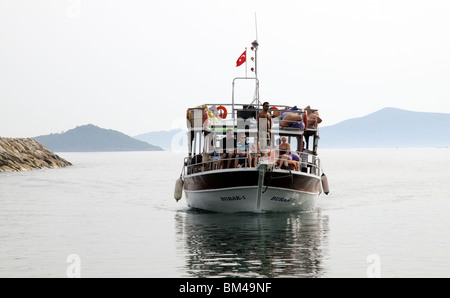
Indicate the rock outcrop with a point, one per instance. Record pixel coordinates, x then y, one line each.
22 154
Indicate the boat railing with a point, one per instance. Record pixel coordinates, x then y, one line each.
307 162
244 116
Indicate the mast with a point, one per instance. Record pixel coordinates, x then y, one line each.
256 95
255 47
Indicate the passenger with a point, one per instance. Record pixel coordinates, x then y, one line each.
265 133
284 157
227 147
285 145
242 151
253 156
312 118
292 119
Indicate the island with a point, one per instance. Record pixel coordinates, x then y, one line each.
91 138
23 154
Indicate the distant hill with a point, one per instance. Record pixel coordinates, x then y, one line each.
172 140
91 138
389 128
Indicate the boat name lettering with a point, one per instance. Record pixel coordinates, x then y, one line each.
279 199
234 198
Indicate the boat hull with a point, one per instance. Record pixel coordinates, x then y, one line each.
238 191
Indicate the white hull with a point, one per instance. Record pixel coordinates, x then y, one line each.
245 199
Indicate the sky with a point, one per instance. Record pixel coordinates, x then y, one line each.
135 66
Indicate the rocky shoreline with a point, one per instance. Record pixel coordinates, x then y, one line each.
23 154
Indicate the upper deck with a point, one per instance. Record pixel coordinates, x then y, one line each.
244 118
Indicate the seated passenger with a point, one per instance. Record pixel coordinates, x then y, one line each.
253 156
242 151
227 149
285 145
284 157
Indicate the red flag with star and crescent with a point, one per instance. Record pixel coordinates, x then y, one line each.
241 59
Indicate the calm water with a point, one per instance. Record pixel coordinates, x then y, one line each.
387 214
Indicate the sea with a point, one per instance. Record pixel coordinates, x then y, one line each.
114 215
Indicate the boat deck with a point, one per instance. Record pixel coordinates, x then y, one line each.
307 162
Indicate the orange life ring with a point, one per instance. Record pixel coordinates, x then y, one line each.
222 112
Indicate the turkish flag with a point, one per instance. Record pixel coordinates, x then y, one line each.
241 59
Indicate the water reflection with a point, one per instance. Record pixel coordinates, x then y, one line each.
252 245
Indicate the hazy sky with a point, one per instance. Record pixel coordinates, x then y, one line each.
136 65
